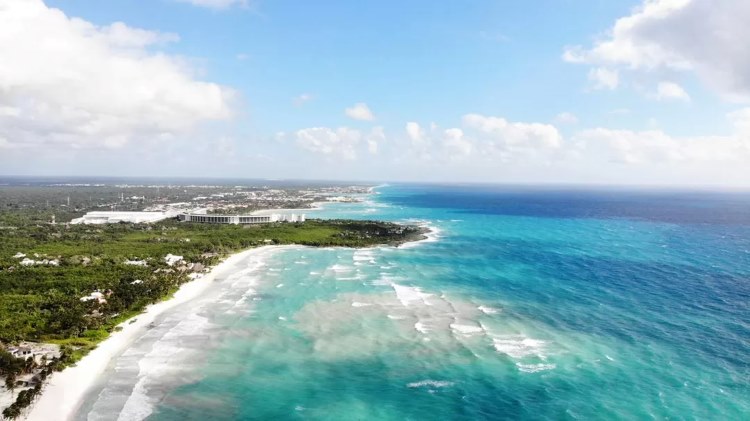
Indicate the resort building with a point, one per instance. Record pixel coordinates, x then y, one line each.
241 219
106 217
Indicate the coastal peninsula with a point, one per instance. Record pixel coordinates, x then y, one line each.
66 288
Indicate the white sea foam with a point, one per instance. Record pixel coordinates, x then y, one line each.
430 383
488 310
410 296
159 363
533 368
430 237
466 329
421 328
340 268
518 346
358 304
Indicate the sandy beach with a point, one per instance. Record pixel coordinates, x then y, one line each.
63 394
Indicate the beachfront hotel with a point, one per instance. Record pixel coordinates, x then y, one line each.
240 219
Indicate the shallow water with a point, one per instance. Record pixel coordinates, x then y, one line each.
530 305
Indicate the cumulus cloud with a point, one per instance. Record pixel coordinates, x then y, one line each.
215 4
67 83
701 36
602 78
375 139
414 131
492 148
670 91
481 139
360 111
658 147
456 144
508 135
335 143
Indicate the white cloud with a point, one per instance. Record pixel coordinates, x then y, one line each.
302 99
658 147
414 131
667 91
492 148
335 143
71 84
566 118
215 4
510 135
481 139
700 36
375 139
456 144
360 111
603 78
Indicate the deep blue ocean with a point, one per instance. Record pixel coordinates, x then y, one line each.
528 304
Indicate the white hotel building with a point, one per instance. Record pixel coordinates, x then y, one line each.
240 219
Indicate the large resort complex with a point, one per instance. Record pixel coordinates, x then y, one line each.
241 219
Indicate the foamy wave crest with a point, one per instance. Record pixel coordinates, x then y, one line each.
421 328
518 346
466 329
340 268
430 383
158 364
410 296
362 256
430 237
488 310
533 368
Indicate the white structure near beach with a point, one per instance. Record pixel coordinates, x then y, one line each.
242 219
106 217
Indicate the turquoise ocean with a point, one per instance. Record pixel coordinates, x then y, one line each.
524 304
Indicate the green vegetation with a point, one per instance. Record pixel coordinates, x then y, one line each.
42 301
46 270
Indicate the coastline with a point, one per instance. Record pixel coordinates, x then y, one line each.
314 207
431 235
63 395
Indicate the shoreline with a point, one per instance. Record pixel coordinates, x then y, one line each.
65 390
316 206
432 235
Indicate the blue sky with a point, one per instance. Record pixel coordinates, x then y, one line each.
289 68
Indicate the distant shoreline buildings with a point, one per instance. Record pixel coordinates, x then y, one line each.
103 217
114 217
240 219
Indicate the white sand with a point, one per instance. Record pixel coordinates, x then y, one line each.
65 391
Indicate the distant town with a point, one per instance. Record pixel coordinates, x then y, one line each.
92 203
